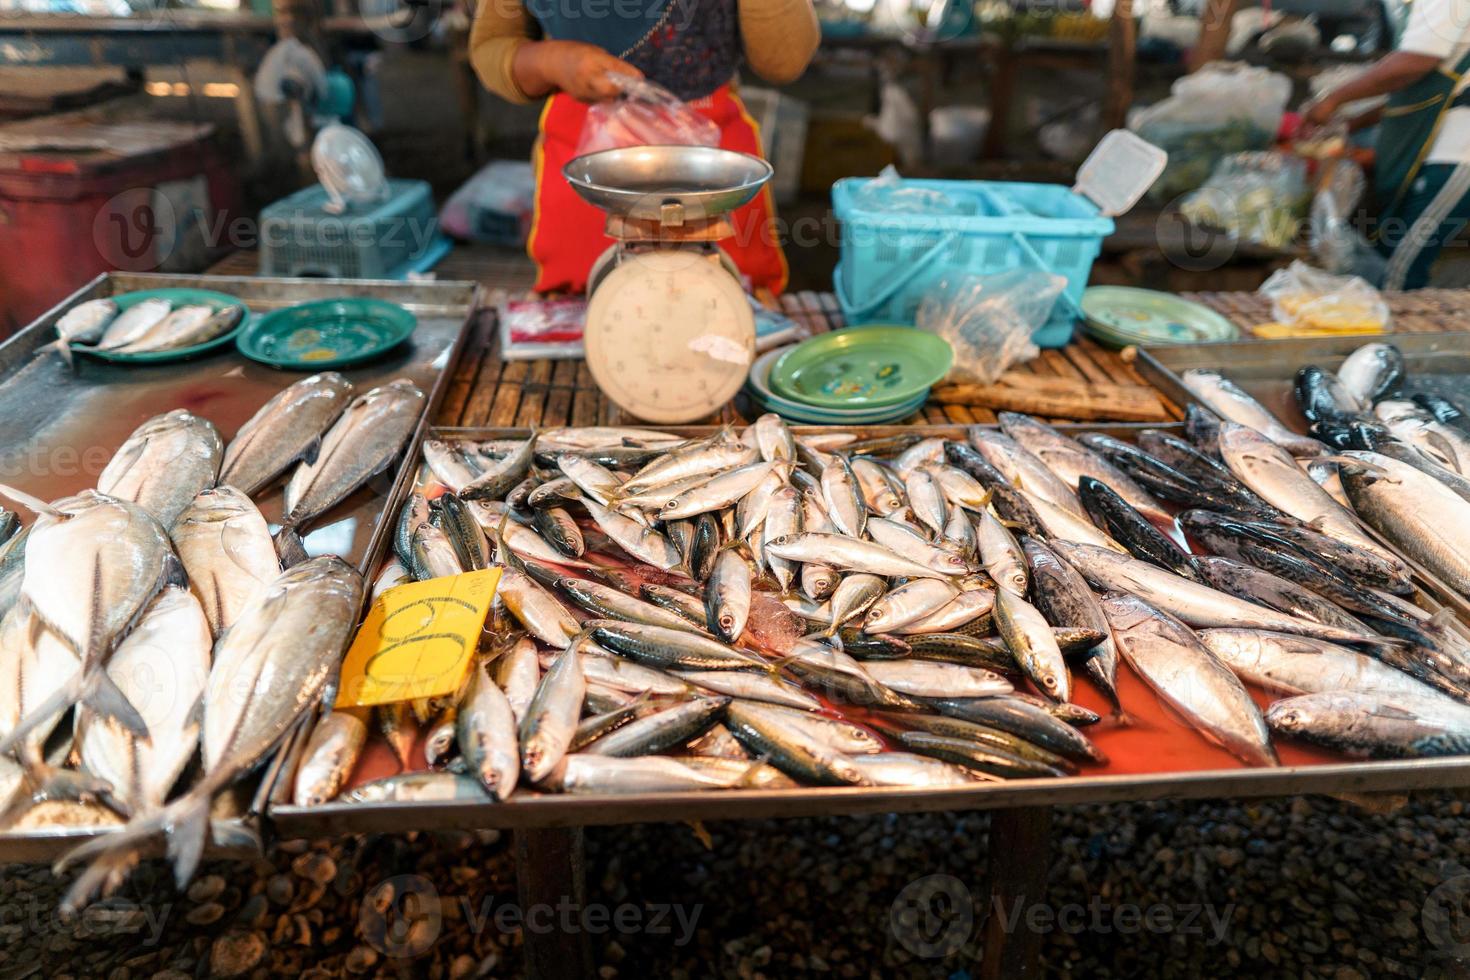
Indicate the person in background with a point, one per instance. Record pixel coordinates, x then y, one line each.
1422 168
526 49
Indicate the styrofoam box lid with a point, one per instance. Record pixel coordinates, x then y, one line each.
1118 171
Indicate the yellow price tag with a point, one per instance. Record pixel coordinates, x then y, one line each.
418 640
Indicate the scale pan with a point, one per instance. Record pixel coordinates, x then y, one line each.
667 184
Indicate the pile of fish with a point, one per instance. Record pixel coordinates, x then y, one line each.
153 650
149 326
757 608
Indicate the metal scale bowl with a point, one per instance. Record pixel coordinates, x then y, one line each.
670 334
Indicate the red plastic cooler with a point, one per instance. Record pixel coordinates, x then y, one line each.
78 198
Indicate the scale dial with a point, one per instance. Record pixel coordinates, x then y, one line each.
669 335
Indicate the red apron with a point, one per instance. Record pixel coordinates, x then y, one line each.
567 232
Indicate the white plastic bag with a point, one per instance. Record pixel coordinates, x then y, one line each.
1310 299
1221 109
988 320
644 114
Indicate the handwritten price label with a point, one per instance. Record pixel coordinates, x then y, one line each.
418 640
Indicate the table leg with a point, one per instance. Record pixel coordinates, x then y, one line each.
550 872
1020 854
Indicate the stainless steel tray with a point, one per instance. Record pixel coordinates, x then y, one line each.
554 810
58 428
1433 362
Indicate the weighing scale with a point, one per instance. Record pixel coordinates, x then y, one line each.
670 333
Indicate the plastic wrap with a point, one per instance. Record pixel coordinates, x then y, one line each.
1252 197
493 206
644 114
988 320
1337 245
1312 301
1221 109
888 193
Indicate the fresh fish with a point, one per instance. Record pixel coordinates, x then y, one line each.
133 323
661 730
160 667
972 463
598 775
691 608
1134 531
1271 472
1029 638
536 609
712 459
1322 397
362 443
727 595
283 650
84 323
783 519
909 603
485 728
905 769
968 610
1023 470
660 647
1000 554
418 787
907 541
604 602
550 720
1375 725
1189 678
1026 720
1365 567
37 664
837 734
927 500
753 687
932 679
553 492
818 581
975 756
1443 409
1230 402
1442 443
851 554
1260 586
518 672
1063 598
395 722
704 545
448 464
1280 662
853 597
593 479
432 555
1195 604
164 464
1071 461
1371 372
918 453
879 497
767 732
330 755
1417 513
287 428
773 438
187 326
1062 525
464 533
643 543
605 669
506 473
226 550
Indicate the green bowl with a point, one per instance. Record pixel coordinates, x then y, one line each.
330 333
862 367
177 296
1123 315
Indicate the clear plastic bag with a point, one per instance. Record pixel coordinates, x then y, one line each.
1221 109
988 320
1252 197
888 193
1337 245
1313 301
493 206
644 114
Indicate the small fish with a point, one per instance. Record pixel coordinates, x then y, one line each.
133 323
486 730
1029 637
727 595
854 595
330 755
1228 400
225 547
1371 372
287 428
766 732
418 787
909 603
1131 529
662 729
504 475
938 680
84 323
550 720
1374 725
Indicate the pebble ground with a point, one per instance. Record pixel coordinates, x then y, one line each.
1307 887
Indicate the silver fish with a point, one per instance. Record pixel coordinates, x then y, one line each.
225 547
598 774
773 438
662 729
852 597
1029 638
432 555
330 755
160 667
1365 723
712 459
133 323
909 603
1063 525
486 731
855 555
1371 370
727 595
448 464
643 543
164 463
926 499
754 687
541 613
418 787
927 678
908 541
287 428
593 479
84 323
1303 665
1424 518
187 326
1229 401
783 519
966 608
37 663
550 720
1071 461
506 473
766 730
719 492
1187 676
878 494
1000 554
905 769
362 443
518 672
844 498
1023 470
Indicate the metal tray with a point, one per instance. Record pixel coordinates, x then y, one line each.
58 428
555 810
1433 362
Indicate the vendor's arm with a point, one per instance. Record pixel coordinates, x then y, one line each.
1429 37
779 36
519 69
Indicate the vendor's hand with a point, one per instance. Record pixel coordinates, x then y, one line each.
581 70
1318 114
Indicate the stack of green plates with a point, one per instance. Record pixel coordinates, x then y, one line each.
857 376
1121 316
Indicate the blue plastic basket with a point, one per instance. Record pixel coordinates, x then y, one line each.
890 261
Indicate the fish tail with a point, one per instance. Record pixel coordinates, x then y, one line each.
101 693
29 502
63 698
290 549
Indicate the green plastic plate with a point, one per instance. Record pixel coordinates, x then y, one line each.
861 367
329 333
1123 315
177 296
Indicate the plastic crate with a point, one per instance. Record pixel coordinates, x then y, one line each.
386 240
890 260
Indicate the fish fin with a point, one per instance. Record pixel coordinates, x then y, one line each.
173 573
1442 619
64 697
103 696
63 347
311 452
31 503
100 878
289 547
186 835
